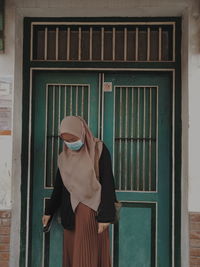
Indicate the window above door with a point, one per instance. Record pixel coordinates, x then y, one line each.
103 41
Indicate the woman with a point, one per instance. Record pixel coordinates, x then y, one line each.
86 198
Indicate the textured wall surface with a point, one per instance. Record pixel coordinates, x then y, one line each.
5 172
11 64
5 221
194 223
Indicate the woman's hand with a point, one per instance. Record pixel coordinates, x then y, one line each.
102 227
45 219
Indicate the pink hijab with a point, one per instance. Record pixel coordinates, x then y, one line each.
77 168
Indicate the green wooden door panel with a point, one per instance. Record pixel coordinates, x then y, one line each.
143 235
138 237
139 91
50 90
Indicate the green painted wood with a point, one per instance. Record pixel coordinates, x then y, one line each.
24 148
54 245
103 19
138 207
162 198
25 122
98 65
138 237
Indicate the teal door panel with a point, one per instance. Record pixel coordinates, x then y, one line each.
137 129
135 122
54 95
138 237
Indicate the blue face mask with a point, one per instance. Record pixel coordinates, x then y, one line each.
74 145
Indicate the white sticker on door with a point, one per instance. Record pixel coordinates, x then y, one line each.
107 86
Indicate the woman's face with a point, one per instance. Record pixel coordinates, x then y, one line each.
69 137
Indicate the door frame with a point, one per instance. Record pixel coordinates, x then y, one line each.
28 70
175 234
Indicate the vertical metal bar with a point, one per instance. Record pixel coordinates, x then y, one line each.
70 99
150 126
45 43
46 125
59 107
52 133
99 108
79 43
90 43
31 46
157 97
114 131
113 44
174 42
125 44
126 135
160 44
144 142
76 100
102 107
132 120
57 33
65 101
148 43
138 135
82 101
136 44
88 101
120 144
68 42
102 43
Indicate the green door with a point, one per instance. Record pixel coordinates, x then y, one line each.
137 129
54 95
132 113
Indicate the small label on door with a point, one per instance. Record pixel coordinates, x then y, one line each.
107 86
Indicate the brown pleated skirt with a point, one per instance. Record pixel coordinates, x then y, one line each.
83 246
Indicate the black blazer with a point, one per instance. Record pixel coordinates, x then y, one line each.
60 197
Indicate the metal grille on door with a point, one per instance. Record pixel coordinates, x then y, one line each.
61 100
135 141
149 42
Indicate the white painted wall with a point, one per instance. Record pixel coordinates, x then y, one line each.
11 64
7 71
5 173
194 109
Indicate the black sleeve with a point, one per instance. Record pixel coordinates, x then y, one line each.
54 202
106 211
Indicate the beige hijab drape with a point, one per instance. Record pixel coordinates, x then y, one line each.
77 168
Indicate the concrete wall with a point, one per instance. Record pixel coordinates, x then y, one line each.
6 155
6 73
5 174
11 65
194 96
